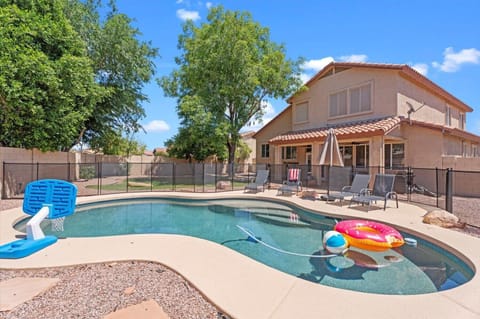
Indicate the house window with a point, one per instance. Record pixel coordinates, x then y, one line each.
394 155
464 149
461 121
289 152
361 155
347 153
265 150
474 151
360 99
448 116
301 112
338 104
351 101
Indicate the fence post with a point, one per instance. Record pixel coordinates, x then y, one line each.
203 177
194 177
99 177
215 176
437 188
448 191
127 176
151 177
233 172
38 168
3 182
173 177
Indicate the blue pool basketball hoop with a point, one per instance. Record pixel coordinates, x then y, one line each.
48 198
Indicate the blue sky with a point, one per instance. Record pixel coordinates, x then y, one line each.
439 38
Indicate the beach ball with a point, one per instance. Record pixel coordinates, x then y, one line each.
334 242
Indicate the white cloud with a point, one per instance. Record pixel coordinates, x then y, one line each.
317 65
184 15
453 60
354 58
421 68
156 126
209 5
305 77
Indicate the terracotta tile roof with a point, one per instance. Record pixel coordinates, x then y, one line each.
446 130
365 128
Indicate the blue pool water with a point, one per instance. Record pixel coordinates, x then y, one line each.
425 268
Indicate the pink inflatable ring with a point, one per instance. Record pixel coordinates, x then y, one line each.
369 235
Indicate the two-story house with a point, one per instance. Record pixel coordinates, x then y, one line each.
384 115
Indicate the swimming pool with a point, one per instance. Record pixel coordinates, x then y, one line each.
425 268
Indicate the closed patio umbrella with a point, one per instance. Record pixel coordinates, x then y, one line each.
331 155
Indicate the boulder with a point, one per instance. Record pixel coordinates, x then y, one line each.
442 218
309 195
223 184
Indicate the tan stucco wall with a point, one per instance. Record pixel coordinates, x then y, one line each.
432 112
425 147
281 124
317 96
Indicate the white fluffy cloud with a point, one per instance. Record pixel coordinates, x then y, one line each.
354 58
453 60
184 15
313 66
317 65
421 68
157 126
208 5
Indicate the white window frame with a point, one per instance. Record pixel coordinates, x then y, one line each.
448 116
461 121
348 93
265 150
391 155
292 153
464 149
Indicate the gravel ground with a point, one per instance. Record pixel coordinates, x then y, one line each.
94 290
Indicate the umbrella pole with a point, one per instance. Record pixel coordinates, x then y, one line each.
328 182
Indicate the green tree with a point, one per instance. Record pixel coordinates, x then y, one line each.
66 76
47 85
243 151
122 65
198 136
231 65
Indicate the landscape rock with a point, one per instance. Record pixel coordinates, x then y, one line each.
223 184
442 218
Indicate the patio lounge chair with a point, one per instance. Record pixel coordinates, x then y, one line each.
260 180
359 184
382 191
293 183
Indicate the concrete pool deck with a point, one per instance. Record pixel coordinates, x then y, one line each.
245 288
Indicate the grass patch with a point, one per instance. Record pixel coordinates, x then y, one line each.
145 184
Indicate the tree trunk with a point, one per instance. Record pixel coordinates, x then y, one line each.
231 145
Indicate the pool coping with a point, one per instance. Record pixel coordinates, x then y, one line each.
245 288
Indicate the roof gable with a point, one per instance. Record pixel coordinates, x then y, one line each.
404 70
